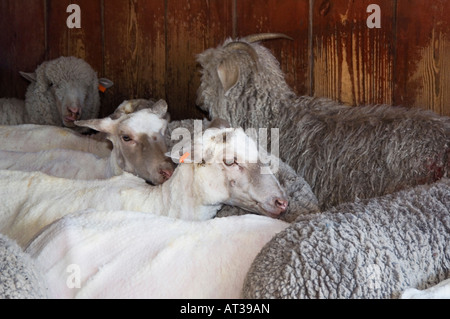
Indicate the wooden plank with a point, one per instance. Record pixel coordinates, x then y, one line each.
290 17
192 27
423 55
84 43
353 63
134 50
22 43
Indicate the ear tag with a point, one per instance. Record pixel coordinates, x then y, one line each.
101 88
182 158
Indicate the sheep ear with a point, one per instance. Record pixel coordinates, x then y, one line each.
160 108
105 125
106 83
228 75
219 123
29 76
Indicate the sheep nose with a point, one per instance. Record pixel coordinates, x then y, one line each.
166 174
282 204
74 110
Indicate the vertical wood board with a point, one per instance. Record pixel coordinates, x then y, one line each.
22 43
192 27
290 17
423 55
353 63
134 40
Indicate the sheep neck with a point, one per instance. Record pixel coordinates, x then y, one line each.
112 166
180 198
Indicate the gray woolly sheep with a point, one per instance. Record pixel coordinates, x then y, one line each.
61 91
374 248
343 152
20 278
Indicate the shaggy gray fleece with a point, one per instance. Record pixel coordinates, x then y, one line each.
374 248
19 277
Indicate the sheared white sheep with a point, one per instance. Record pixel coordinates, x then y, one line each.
440 291
35 138
120 254
138 148
196 191
343 152
61 91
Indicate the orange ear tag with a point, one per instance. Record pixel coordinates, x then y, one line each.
101 88
182 158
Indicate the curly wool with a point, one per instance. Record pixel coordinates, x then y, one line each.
372 150
40 105
19 276
374 248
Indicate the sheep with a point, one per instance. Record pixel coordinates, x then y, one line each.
343 152
300 196
373 248
196 191
20 277
137 149
35 138
440 291
122 254
61 91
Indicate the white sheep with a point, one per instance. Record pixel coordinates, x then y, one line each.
61 91
196 191
35 138
440 291
138 148
121 254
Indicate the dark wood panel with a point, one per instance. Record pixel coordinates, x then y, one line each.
134 50
423 55
84 43
353 63
192 27
290 17
22 43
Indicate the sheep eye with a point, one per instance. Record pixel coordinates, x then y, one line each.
126 138
50 85
232 162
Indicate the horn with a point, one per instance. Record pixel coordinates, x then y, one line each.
238 45
266 36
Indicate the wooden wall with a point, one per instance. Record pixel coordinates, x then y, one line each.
148 47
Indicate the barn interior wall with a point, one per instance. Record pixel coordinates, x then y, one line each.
148 48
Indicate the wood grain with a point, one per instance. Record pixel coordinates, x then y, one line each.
423 55
134 50
290 17
353 63
84 43
22 43
192 27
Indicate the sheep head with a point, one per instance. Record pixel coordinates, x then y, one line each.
228 170
70 85
138 139
236 75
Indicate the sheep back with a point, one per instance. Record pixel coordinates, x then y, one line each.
368 249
